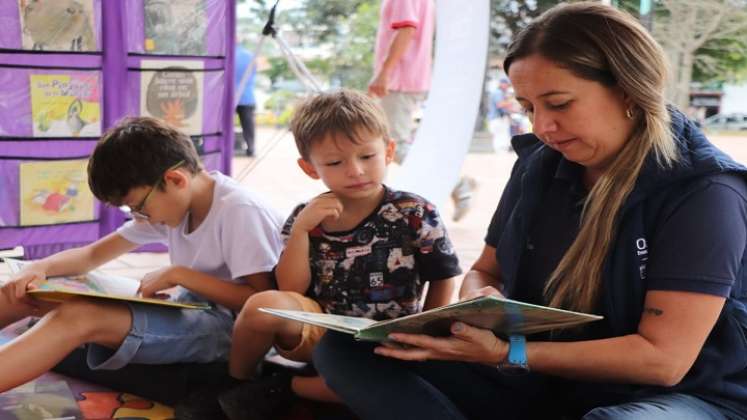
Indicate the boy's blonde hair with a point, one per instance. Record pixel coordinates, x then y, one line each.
345 112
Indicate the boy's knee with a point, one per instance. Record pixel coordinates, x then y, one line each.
83 317
251 314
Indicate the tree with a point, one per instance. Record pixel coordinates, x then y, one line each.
703 38
343 33
508 17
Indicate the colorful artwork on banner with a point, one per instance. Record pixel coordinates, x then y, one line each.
65 105
173 93
54 192
39 400
59 25
175 28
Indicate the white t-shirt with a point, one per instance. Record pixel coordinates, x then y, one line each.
239 236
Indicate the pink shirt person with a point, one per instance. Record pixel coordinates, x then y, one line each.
412 73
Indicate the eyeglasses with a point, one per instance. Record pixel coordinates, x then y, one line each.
137 210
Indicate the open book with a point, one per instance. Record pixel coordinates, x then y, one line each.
94 284
503 316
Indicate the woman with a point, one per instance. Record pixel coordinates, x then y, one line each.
617 205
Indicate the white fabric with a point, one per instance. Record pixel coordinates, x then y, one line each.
239 236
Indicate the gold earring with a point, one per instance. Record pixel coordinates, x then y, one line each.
629 113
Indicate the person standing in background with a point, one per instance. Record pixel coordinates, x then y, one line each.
402 65
403 59
246 103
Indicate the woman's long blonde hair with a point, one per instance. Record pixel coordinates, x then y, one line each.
602 44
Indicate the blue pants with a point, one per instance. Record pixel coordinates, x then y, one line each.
376 387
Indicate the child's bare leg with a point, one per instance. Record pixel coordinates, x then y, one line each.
255 332
313 388
57 334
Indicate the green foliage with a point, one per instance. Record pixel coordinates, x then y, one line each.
330 16
508 17
344 32
278 69
730 55
352 61
719 60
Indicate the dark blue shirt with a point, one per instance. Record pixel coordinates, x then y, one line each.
681 228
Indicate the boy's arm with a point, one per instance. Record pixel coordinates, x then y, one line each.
293 272
439 293
398 47
69 262
214 289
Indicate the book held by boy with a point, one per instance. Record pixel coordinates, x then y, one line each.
94 284
502 316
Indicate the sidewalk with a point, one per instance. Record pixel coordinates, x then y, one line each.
277 177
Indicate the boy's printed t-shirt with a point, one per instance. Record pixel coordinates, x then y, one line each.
239 236
378 269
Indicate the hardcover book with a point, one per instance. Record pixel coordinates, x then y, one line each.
503 316
94 284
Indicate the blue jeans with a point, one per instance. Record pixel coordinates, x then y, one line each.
376 387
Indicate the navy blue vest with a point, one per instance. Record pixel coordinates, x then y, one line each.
720 371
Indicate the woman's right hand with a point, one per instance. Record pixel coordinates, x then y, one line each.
15 290
323 206
483 291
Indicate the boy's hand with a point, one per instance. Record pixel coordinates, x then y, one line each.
324 206
158 280
14 291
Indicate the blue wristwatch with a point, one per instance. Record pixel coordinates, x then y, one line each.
516 362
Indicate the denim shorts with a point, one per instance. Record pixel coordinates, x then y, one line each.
162 335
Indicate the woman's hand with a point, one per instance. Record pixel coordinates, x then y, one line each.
483 291
466 344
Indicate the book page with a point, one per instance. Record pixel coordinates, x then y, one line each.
502 316
172 93
66 104
60 25
54 192
346 324
96 285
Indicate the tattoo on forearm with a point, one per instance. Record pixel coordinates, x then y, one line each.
653 311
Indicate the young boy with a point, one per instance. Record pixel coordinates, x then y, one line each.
360 249
223 242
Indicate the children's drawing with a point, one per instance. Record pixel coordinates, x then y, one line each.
54 192
172 93
175 28
58 25
65 105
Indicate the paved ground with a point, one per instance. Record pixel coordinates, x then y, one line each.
275 175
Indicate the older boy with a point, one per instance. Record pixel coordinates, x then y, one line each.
360 249
223 242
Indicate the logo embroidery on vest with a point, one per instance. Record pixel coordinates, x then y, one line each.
642 252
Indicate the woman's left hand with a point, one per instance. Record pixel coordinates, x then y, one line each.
466 344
